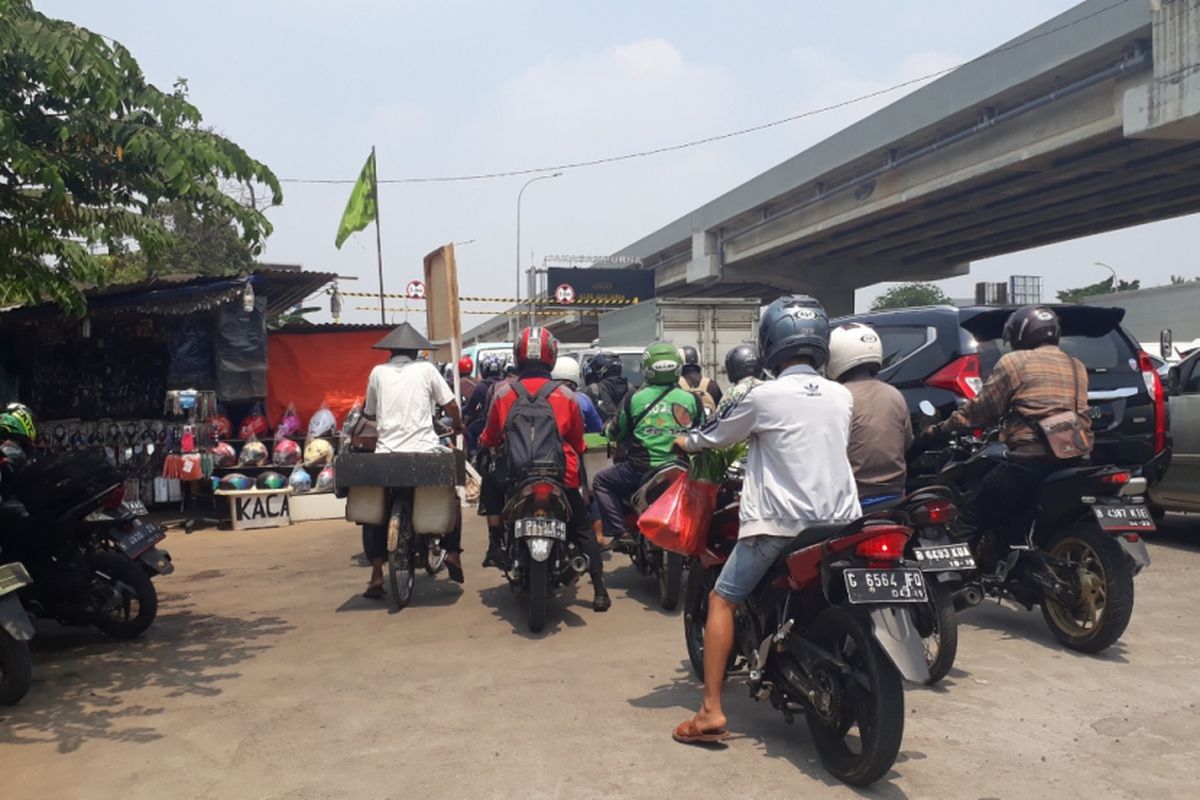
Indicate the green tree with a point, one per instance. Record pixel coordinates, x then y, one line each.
907 295
92 154
1103 287
1178 279
200 247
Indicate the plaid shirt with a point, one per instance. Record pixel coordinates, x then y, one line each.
1027 383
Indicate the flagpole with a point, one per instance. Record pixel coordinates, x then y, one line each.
378 239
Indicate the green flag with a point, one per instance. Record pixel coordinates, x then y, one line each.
360 208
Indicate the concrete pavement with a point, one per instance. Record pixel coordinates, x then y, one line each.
267 676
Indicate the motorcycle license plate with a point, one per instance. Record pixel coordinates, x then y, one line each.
1123 518
545 528
885 586
944 557
140 539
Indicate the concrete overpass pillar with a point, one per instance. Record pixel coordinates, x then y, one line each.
1168 107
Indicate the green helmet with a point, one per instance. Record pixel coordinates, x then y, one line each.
661 364
17 420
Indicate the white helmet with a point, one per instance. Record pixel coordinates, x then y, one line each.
852 345
566 369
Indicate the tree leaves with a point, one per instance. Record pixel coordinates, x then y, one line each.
91 152
907 295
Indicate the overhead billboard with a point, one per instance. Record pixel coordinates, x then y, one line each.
599 286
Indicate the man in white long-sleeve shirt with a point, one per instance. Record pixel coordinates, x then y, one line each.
797 474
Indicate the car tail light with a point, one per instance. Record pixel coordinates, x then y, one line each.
1155 389
1116 478
886 546
960 376
112 501
935 512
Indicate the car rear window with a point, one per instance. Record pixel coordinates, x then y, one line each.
1105 353
901 341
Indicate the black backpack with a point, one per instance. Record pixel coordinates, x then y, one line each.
533 442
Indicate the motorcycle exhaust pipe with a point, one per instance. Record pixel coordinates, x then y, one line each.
579 564
970 595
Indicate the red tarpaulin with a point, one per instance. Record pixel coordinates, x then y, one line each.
310 368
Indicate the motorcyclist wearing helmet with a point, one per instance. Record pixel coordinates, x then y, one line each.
606 386
797 473
535 352
403 396
744 370
475 411
1034 380
693 380
647 423
881 431
466 382
566 372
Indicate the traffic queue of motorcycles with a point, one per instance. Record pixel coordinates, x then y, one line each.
71 550
850 611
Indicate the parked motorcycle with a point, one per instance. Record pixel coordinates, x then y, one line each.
828 633
540 556
91 558
16 665
648 558
1082 545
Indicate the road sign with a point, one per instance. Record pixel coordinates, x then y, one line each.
565 294
415 290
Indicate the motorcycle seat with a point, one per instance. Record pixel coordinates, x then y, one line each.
1068 474
813 534
654 484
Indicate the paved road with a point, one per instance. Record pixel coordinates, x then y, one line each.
268 677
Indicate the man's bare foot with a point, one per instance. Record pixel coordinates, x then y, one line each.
710 720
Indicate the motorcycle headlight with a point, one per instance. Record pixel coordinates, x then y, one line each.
539 549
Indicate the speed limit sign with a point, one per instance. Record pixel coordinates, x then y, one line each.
565 294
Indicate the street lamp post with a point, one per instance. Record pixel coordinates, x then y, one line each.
516 317
1110 269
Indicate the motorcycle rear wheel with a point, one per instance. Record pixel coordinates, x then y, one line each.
941 645
537 573
1105 583
670 580
139 606
700 582
16 669
861 744
401 570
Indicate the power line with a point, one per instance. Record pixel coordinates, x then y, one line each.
730 134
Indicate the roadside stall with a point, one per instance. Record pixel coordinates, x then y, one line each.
155 374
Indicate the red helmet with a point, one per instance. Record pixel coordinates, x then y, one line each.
465 366
535 345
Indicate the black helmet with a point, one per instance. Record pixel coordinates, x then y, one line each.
603 365
1031 326
691 357
742 362
793 326
491 367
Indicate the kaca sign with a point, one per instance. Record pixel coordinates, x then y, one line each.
261 510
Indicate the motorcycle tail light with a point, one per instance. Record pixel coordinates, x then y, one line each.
541 493
935 512
1116 478
961 376
884 546
112 501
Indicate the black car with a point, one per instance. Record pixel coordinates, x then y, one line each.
943 354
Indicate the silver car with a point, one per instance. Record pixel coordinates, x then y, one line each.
1179 490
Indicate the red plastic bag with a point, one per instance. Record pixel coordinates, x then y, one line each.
679 519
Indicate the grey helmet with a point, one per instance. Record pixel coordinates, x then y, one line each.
743 362
791 327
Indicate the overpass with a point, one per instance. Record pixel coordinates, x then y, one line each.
1087 123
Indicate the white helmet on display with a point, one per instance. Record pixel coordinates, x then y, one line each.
566 369
853 345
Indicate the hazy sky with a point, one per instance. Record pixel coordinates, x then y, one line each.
452 88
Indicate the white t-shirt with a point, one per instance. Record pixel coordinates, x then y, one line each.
403 395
